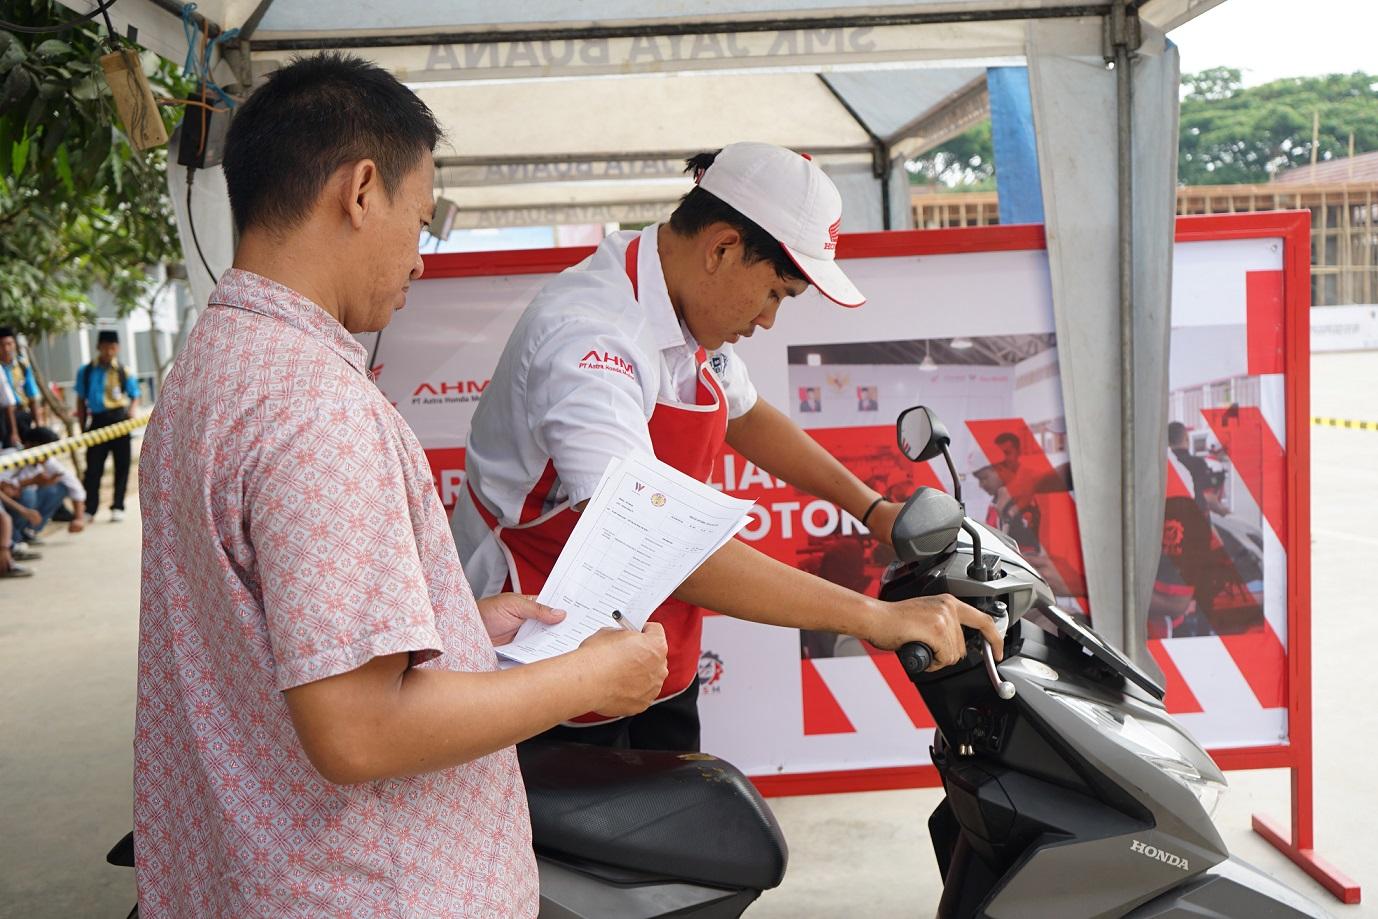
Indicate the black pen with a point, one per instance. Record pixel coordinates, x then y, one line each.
622 621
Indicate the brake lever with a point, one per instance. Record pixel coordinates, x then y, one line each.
1003 687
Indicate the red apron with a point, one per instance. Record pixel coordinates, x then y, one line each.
687 437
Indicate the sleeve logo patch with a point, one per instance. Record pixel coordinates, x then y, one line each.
606 360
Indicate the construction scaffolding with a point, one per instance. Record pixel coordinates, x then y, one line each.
1344 225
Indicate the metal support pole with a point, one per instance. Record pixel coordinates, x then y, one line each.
883 170
1123 30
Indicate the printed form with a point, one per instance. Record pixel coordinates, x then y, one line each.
644 531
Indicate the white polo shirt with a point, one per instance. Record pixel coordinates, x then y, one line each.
575 387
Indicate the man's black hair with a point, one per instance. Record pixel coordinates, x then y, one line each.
38 435
1175 431
7 332
312 117
699 209
1008 438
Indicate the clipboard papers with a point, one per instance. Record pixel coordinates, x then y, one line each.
644 531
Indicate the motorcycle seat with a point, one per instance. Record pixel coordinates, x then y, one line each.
687 816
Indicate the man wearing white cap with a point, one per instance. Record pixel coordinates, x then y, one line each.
632 350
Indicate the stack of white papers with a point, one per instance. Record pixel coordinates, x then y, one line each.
644 531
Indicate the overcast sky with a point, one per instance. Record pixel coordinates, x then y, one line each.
1268 39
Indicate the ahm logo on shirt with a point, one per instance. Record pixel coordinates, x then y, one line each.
606 360
718 363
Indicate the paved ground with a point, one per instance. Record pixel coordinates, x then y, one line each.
67 650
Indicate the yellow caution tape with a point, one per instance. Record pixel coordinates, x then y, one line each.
1346 423
70 444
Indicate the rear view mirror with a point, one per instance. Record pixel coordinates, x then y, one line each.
921 435
927 525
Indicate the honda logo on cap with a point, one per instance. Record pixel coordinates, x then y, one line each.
832 234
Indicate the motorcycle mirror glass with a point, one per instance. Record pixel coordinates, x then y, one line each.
927 525
921 435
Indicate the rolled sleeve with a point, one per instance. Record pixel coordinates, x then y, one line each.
335 547
588 390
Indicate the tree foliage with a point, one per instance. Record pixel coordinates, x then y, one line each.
965 163
79 207
1229 134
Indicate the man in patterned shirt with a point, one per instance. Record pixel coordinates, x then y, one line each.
321 727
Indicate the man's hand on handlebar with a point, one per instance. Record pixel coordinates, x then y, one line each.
937 622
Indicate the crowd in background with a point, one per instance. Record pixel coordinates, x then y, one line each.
47 490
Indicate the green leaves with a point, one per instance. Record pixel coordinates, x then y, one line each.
19 155
79 209
1232 134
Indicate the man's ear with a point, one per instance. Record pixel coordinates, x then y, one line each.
719 241
359 188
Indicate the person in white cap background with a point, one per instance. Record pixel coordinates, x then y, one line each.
632 350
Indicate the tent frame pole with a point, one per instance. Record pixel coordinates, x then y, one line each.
1122 37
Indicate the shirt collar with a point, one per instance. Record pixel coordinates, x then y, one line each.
654 296
240 289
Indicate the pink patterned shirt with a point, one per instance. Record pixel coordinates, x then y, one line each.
292 532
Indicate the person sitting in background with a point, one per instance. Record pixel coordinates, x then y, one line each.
8 569
106 394
18 519
44 486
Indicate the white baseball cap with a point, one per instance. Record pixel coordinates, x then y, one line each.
788 196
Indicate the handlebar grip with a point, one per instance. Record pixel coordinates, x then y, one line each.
915 657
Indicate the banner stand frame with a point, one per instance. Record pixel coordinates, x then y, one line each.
1296 755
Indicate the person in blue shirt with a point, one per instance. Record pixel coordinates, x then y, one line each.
16 377
107 394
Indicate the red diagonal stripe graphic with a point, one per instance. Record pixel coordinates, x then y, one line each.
1263 661
1180 700
1257 457
822 713
1176 488
892 671
1263 293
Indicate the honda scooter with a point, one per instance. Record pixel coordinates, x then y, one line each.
1070 791
635 834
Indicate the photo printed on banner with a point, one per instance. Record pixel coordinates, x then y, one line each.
1000 397
1210 577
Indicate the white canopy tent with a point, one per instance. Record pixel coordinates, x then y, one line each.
581 111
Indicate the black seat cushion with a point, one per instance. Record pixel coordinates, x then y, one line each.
681 815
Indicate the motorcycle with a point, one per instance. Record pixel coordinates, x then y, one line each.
637 834
1070 791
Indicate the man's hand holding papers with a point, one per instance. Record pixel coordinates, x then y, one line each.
645 530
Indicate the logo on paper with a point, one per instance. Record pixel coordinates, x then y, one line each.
606 360
1146 851
832 234
639 487
710 673
657 500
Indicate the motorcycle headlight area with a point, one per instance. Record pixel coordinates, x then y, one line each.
1141 738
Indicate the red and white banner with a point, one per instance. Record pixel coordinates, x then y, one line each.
960 321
